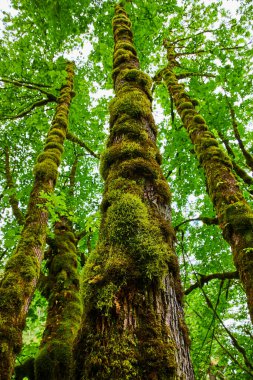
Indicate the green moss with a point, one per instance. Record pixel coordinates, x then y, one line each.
54 361
187 113
198 119
29 267
46 170
185 105
136 167
195 102
125 46
133 103
123 58
124 151
58 132
52 155
54 145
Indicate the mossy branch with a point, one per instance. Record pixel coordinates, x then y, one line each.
10 185
30 87
205 220
204 279
27 111
71 137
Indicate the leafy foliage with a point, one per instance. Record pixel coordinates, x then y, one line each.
214 56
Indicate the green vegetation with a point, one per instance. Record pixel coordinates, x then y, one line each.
138 207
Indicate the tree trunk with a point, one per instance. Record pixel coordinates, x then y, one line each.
22 270
54 361
133 325
234 214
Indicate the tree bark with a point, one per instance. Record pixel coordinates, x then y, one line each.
234 214
22 270
133 324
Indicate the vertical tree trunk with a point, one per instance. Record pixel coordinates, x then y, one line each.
54 361
234 214
22 270
133 325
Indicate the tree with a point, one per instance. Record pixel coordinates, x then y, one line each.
29 89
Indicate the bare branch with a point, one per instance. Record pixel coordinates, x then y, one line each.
204 279
188 75
38 103
208 51
205 220
191 37
30 87
248 157
71 137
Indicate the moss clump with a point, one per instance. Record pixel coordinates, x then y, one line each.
124 151
54 361
133 103
50 155
54 145
198 119
185 105
46 170
125 46
122 58
187 113
136 167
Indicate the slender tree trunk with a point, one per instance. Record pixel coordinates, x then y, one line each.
133 325
22 270
54 361
234 214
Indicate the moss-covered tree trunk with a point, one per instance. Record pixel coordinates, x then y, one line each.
133 325
234 214
54 361
22 270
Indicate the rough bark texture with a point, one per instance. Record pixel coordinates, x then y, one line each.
234 214
22 270
54 361
133 324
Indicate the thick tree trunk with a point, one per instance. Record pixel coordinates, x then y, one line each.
234 214
54 361
133 325
22 270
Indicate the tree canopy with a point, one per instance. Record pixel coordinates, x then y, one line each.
212 44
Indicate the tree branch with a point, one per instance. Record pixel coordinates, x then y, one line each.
235 342
38 103
30 87
191 37
71 137
188 75
205 220
248 180
248 157
207 51
204 279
